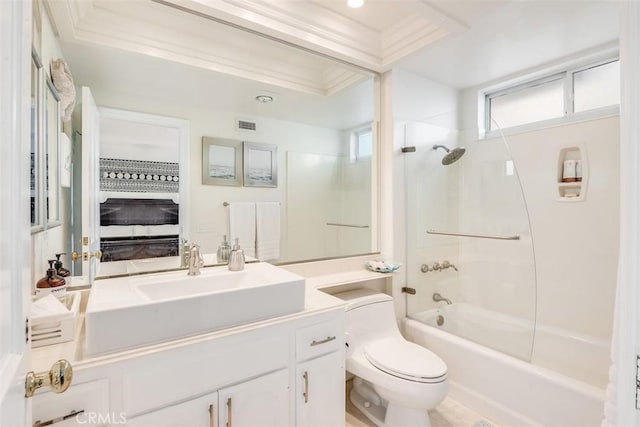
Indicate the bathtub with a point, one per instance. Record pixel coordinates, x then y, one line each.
563 387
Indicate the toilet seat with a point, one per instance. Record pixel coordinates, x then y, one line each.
406 360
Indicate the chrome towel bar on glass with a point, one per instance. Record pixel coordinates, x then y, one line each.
478 236
347 225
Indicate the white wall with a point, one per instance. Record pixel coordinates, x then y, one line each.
575 243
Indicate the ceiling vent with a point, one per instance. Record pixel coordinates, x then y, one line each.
246 125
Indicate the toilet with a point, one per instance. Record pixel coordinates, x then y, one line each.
396 381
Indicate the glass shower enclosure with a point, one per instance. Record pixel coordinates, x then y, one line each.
469 248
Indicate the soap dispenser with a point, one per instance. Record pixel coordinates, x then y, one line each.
60 270
51 284
224 251
236 258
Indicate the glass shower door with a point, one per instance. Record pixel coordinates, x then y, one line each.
469 247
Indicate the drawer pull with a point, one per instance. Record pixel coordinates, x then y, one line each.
229 413
212 422
57 420
324 341
306 386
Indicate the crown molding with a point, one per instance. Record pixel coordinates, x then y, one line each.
164 29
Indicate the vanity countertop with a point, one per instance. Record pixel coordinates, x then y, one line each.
316 302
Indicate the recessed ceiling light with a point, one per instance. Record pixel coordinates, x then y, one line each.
264 99
355 3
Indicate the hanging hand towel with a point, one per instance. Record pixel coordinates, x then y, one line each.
268 231
242 226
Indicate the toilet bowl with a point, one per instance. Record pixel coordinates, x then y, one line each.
396 381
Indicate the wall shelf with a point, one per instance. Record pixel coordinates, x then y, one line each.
575 158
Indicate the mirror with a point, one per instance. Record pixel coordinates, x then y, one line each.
315 114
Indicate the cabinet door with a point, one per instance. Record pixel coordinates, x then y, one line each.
200 412
262 402
320 387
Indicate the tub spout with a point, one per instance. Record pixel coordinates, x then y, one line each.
437 298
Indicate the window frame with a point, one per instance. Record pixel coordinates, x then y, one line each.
566 74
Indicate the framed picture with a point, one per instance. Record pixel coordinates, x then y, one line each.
260 165
221 161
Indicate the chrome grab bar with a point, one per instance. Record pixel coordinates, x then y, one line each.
347 225
478 236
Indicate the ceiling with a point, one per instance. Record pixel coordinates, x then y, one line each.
459 43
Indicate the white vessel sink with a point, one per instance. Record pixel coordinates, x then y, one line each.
135 311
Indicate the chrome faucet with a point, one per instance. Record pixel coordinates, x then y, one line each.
184 253
446 264
437 298
425 268
195 260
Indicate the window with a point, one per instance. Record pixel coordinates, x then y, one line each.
596 87
554 97
361 144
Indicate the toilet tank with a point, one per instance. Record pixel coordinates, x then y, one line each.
369 315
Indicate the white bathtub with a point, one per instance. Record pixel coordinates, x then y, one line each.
563 387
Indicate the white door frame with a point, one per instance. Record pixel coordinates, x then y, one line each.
620 407
15 273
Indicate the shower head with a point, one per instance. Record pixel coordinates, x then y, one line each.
452 155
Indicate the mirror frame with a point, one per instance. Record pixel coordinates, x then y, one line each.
51 143
36 178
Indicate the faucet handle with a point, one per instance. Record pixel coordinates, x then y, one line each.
437 266
447 264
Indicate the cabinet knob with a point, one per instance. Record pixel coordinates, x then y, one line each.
59 378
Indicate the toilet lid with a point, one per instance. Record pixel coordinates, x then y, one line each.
406 360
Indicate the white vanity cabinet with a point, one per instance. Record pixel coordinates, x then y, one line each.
240 377
320 389
200 412
263 401
320 396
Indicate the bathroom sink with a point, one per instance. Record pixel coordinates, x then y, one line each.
135 311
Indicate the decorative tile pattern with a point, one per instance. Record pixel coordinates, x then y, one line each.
139 176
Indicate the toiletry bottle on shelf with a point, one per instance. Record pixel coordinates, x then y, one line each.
51 284
60 270
579 170
224 250
236 258
569 171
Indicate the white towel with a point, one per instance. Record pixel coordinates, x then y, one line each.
242 226
268 231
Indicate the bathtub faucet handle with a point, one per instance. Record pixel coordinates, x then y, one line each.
436 266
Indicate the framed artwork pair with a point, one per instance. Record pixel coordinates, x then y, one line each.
239 163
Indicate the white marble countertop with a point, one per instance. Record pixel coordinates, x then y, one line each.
317 276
